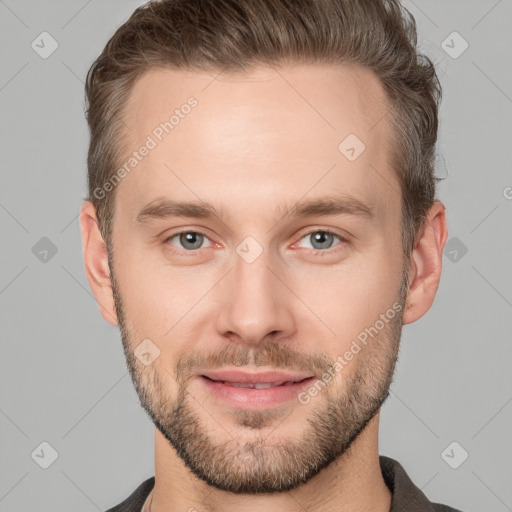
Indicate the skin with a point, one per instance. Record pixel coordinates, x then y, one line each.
255 145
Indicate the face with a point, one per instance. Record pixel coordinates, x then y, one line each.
291 262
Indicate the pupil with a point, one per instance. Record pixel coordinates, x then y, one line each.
321 236
191 238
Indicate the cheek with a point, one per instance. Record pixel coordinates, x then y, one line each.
350 297
164 303
146 299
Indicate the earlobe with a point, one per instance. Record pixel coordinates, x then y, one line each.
95 258
426 263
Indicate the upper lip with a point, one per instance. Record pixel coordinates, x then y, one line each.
275 377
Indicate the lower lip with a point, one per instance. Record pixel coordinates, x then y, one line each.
255 398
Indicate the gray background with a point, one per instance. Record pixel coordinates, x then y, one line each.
62 370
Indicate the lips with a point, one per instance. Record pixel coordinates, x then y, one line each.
256 380
254 390
257 385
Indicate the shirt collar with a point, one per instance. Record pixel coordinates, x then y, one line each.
406 497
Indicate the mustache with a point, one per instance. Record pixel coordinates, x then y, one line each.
274 355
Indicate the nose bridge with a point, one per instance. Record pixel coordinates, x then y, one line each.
255 302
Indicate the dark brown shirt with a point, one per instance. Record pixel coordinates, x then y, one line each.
406 497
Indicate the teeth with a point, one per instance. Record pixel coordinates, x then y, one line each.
265 385
261 385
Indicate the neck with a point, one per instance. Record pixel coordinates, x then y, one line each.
352 483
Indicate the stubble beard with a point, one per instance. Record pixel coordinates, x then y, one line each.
261 464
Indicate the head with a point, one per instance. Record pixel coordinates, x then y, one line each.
286 124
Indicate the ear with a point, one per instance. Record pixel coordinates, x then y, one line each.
425 264
94 252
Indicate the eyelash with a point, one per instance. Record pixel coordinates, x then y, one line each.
314 251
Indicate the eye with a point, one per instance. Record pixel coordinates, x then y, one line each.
189 240
321 240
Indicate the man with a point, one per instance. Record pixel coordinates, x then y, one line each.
261 222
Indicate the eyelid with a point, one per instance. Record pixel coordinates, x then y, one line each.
342 238
183 231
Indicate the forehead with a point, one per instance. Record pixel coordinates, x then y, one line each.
290 130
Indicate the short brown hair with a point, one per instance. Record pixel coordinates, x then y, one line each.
235 36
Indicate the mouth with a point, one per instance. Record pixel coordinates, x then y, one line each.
254 391
258 385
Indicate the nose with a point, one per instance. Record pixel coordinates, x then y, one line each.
256 304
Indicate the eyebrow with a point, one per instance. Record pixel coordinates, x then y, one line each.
331 205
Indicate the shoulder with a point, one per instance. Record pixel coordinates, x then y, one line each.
406 496
438 507
134 502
